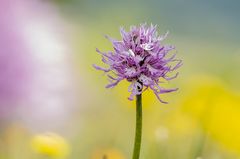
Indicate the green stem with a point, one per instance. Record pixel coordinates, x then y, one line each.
138 131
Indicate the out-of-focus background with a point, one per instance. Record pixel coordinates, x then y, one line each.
53 104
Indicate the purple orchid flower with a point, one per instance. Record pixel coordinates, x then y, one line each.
142 59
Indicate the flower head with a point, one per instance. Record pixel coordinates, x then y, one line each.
142 59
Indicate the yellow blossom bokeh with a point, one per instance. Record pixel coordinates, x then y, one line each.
50 144
216 108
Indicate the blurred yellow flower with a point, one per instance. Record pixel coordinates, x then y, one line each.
107 154
51 145
217 109
203 93
224 122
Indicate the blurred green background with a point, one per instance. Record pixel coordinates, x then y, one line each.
202 119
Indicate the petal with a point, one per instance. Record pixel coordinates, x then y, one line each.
112 84
170 78
100 68
168 90
158 97
160 38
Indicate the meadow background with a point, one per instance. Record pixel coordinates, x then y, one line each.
53 103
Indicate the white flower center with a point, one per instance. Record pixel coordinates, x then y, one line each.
151 69
130 71
129 53
145 80
147 46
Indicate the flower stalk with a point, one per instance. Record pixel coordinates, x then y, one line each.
138 131
141 58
